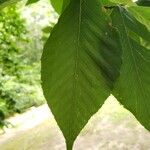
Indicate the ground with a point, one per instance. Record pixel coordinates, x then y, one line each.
112 128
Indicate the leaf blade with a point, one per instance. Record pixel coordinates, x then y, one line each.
143 3
29 2
60 5
133 86
73 62
6 3
142 14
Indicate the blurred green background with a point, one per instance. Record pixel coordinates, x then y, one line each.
23 31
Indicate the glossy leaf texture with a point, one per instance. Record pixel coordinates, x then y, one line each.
80 63
132 88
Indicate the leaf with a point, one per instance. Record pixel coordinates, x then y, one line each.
57 5
142 14
80 63
108 3
5 3
116 2
133 86
29 2
60 5
65 4
134 25
143 2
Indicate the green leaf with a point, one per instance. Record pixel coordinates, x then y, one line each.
5 3
108 3
31 2
60 5
133 86
57 5
142 14
80 63
134 25
116 2
65 4
143 2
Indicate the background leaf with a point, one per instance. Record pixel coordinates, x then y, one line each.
80 62
31 2
143 2
142 14
57 5
60 5
133 86
116 2
5 3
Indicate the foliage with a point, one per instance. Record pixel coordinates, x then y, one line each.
78 36
5 3
19 75
135 66
31 1
143 2
96 48
101 52
60 5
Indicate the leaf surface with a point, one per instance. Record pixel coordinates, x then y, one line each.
5 3
116 2
31 2
143 2
57 5
142 14
133 86
60 5
80 63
